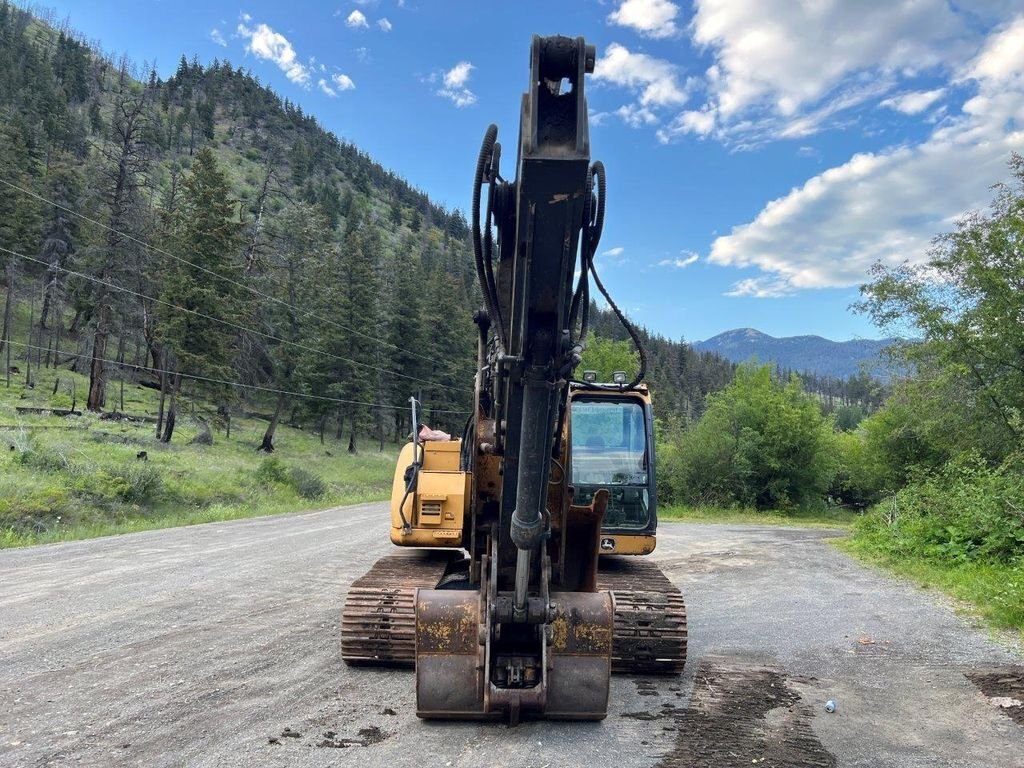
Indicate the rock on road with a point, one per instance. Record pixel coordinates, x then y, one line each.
218 645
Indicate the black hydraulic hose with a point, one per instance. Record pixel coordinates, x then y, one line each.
482 166
595 229
581 286
597 169
491 287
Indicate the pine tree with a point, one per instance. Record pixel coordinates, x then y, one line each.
124 164
303 241
206 228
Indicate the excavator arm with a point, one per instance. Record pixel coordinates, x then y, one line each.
541 634
527 623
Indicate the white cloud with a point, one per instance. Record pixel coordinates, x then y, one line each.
618 250
681 262
887 206
343 82
1002 55
218 37
455 85
788 70
356 19
323 86
458 76
636 116
652 18
655 81
914 102
265 43
760 288
700 122
385 25
791 54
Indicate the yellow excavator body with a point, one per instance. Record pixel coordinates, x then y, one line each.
510 594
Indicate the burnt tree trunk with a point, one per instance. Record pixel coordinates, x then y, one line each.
172 409
97 367
157 364
267 445
5 337
127 126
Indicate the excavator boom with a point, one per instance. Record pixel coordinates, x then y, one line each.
528 623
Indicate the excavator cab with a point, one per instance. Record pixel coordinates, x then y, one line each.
612 448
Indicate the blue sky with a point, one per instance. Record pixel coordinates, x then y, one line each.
761 154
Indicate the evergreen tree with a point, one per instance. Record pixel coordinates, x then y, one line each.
206 228
303 241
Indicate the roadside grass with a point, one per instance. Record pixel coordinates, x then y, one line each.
995 593
76 477
833 517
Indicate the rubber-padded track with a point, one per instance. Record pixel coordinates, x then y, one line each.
378 624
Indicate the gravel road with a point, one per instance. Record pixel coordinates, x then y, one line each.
217 645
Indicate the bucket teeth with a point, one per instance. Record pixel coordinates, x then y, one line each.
378 624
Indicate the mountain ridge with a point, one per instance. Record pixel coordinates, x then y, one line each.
803 353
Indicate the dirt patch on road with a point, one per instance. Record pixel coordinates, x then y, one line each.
367 737
742 716
1004 688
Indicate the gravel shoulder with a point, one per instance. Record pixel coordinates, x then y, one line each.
215 645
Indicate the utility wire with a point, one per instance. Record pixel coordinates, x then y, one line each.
228 323
212 380
254 291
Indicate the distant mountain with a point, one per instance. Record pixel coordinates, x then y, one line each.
800 353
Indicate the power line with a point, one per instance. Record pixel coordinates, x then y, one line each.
213 380
228 323
254 291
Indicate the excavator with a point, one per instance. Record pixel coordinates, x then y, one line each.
520 591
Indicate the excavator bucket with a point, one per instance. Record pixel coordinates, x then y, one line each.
453 649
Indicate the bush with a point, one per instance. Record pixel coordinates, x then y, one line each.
858 481
306 484
31 509
965 512
272 470
761 443
45 459
136 483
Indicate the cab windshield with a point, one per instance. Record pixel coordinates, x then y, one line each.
609 450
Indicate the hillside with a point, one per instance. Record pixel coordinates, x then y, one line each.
814 354
199 254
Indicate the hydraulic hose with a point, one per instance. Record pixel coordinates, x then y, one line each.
483 268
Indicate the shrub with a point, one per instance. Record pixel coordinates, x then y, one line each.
272 470
306 484
138 483
33 509
761 443
859 480
966 511
45 459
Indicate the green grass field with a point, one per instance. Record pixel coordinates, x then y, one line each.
74 477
